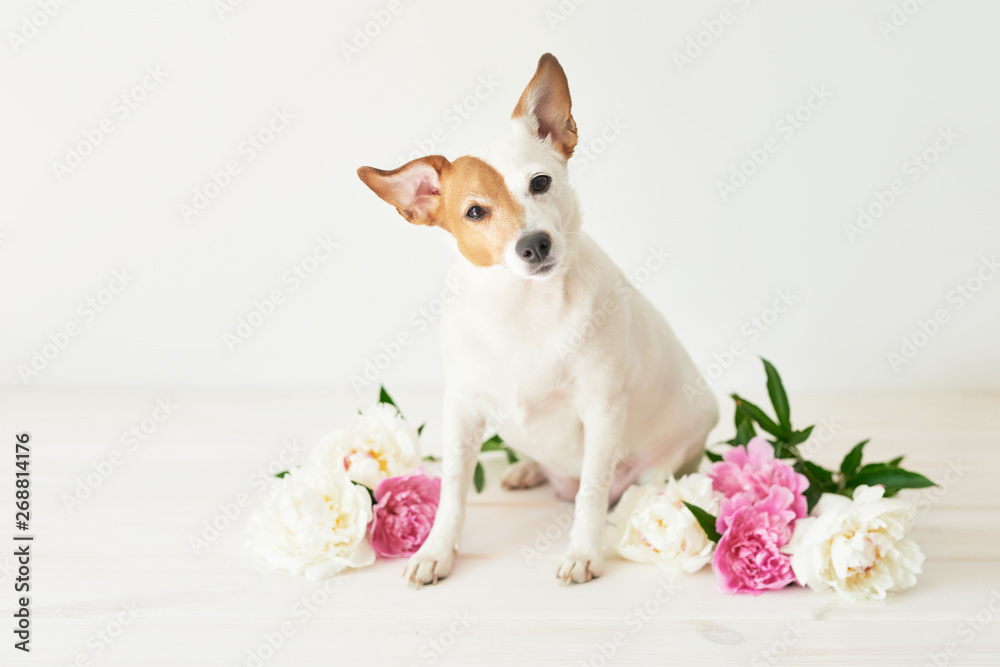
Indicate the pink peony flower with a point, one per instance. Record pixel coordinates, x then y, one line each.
748 558
751 472
403 514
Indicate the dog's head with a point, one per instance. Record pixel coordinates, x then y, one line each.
510 205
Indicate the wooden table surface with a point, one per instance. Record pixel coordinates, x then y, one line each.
116 581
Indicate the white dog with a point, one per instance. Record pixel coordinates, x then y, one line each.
549 344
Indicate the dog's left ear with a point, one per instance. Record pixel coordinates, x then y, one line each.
414 189
545 106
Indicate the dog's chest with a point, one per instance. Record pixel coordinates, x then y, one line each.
517 346
544 425
520 362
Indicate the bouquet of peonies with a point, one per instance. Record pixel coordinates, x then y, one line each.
362 493
766 517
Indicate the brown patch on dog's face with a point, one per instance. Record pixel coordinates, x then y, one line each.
470 183
467 197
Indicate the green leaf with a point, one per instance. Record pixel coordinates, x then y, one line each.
712 456
744 428
493 444
479 477
891 478
430 457
852 462
371 494
281 475
384 397
746 432
706 521
895 462
819 473
779 399
780 451
820 481
812 497
783 450
758 415
872 467
496 444
798 437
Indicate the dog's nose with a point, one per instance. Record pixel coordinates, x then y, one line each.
534 248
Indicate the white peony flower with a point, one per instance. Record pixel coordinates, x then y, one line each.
860 548
314 522
381 445
650 524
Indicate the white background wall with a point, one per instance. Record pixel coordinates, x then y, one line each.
655 185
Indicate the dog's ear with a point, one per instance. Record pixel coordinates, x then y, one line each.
414 189
545 106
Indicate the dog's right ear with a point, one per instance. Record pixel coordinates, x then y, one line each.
414 189
545 107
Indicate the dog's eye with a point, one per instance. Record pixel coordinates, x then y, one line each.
540 184
475 213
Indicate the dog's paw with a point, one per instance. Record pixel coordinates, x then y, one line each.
580 567
523 475
428 566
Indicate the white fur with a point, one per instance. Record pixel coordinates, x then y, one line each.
575 369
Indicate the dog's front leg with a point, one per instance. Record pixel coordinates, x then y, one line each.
603 425
462 432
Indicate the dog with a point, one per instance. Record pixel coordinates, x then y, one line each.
549 345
